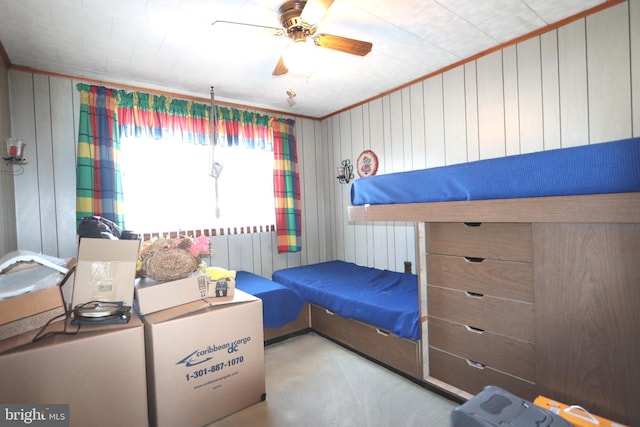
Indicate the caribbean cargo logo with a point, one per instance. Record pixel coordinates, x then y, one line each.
199 356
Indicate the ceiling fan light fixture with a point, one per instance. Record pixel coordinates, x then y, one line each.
314 10
299 57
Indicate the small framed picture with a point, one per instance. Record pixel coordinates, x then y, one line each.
367 164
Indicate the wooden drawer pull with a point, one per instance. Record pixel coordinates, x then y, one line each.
474 330
472 224
473 259
473 294
475 364
381 332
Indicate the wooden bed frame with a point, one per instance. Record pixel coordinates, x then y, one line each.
399 354
571 332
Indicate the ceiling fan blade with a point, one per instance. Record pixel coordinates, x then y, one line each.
343 44
280 69
314 10
276 31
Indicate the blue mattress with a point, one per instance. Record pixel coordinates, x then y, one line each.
280 305
382 298
611 167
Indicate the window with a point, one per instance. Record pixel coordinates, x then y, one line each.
167 186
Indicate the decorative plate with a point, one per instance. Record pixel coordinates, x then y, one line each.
367 163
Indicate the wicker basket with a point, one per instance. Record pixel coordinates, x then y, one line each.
168 264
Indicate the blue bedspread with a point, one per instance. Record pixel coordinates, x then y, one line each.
611 167
382 298
280 305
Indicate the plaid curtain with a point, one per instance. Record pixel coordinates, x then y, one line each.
286 186
156 116
145 115
98 179
233 126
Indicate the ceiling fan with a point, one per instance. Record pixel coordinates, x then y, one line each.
299 20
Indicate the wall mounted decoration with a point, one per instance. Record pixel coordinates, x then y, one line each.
345 172
367 164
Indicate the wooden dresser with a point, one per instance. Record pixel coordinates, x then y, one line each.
480 305
540 296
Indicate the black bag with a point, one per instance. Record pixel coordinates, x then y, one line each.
495 407
98 227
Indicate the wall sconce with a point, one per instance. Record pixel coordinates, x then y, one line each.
15 151
345 172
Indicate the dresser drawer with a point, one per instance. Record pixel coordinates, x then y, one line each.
503 353
508 241
502 316
473 377
504 279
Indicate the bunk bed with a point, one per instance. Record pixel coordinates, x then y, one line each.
374 312
528 271
284 310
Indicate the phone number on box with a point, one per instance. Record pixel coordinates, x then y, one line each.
214 368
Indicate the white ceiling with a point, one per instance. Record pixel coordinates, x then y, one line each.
171 45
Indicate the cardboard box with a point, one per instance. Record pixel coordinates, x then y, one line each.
29 311
105 271
205 360
576 415
154 295
99 373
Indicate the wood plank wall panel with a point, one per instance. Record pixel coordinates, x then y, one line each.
378 230
64 154
434 122
574 112
609 75
550 90
455 122
397 236
349 146
365 238
634 19
44 154
312 194
357 140
8 238
471 111
417 126
491 116
554 81
511 104
530 124
27 194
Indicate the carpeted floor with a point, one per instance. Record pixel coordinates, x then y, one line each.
312 382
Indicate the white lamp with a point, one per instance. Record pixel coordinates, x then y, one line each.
314 10
299 57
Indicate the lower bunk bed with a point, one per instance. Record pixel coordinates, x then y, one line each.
284 311
374 312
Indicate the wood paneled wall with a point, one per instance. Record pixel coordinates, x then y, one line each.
576 85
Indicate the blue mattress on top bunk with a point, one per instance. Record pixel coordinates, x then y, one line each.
611 167
280 304
382 298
